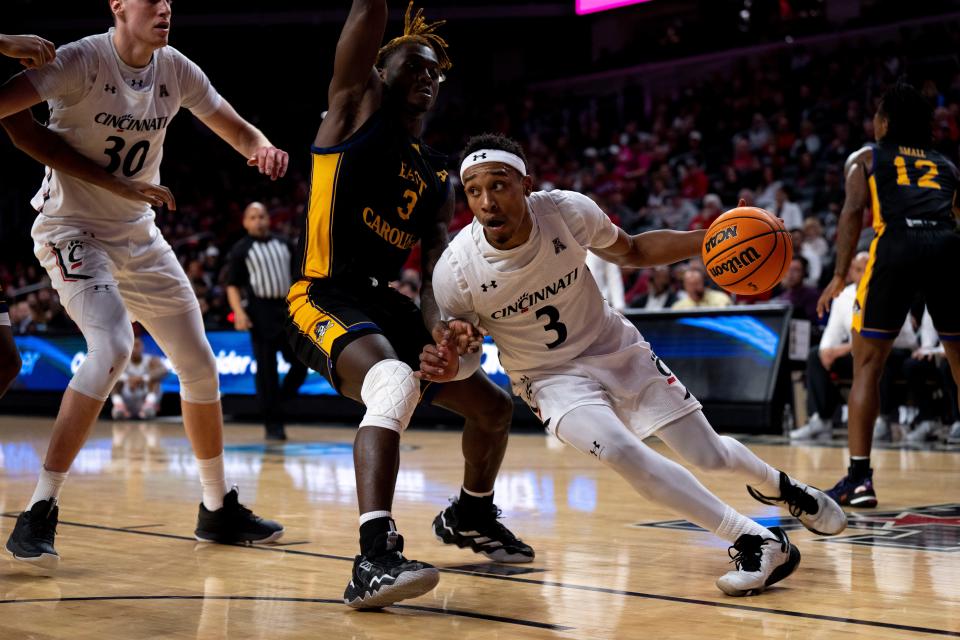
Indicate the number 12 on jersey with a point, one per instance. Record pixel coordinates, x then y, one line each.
926 180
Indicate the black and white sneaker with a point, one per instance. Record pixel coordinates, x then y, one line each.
760 561
235 524
489 537
31 540
815 509
385 576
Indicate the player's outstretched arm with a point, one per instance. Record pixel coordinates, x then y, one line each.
354 76
247 140
848 227
32 51
48 148
653 248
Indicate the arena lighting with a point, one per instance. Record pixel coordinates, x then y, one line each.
593 6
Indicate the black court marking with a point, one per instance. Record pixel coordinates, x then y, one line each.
565 585
414 607
141 526
491 568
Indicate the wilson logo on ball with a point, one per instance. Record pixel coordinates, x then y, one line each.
718 237
747 257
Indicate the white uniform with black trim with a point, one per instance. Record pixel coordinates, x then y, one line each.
561 344
116 116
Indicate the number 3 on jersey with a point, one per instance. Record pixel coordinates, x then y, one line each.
554 324
136 156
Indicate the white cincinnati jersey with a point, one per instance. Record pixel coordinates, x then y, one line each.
115 115
538 301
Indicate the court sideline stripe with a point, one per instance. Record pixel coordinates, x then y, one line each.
564 585
450 612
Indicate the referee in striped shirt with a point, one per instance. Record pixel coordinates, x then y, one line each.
258 269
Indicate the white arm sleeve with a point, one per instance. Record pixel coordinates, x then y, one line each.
197 94
454 301
589 224
840 322
69 76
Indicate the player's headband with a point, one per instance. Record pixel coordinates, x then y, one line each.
481 156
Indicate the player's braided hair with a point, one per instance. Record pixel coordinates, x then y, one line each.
417 29
909 116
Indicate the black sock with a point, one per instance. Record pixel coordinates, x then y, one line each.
859 468
473 509
373 529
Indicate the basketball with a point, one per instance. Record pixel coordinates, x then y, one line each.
747 250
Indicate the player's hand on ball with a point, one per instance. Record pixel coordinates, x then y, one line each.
832 291
153 194
438 363
32 51
270 161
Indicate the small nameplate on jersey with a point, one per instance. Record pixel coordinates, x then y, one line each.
910 151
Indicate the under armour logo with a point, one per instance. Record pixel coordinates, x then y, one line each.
479 156
492 285
101 287
136 84
163 91
558 246
596 450
109 88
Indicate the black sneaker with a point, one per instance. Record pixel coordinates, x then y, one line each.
854 493
490 538
385 576
815 510
234 523
32 538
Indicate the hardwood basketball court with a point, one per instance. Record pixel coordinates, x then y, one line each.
609 564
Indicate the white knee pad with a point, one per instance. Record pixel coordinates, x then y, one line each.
390 393
106 328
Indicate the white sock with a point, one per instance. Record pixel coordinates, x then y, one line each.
373 515
213 481
735 525
48 486
477 495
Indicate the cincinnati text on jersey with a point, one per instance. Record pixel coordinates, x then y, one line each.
127 122
525 302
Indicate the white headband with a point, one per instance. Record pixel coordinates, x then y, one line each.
481 156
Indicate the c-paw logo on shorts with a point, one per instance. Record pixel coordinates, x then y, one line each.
70 260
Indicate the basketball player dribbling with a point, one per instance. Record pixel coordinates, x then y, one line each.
586 370
912 191
375 191
112 97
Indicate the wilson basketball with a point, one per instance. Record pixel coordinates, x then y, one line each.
747 250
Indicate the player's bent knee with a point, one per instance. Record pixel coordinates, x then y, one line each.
495 412
199 381
390 392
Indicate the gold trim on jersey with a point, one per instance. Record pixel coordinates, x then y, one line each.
863 288
318 326
318 253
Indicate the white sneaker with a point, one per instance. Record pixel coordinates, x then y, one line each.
815 429
761 562
954 436
924 431
881 430
815 510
